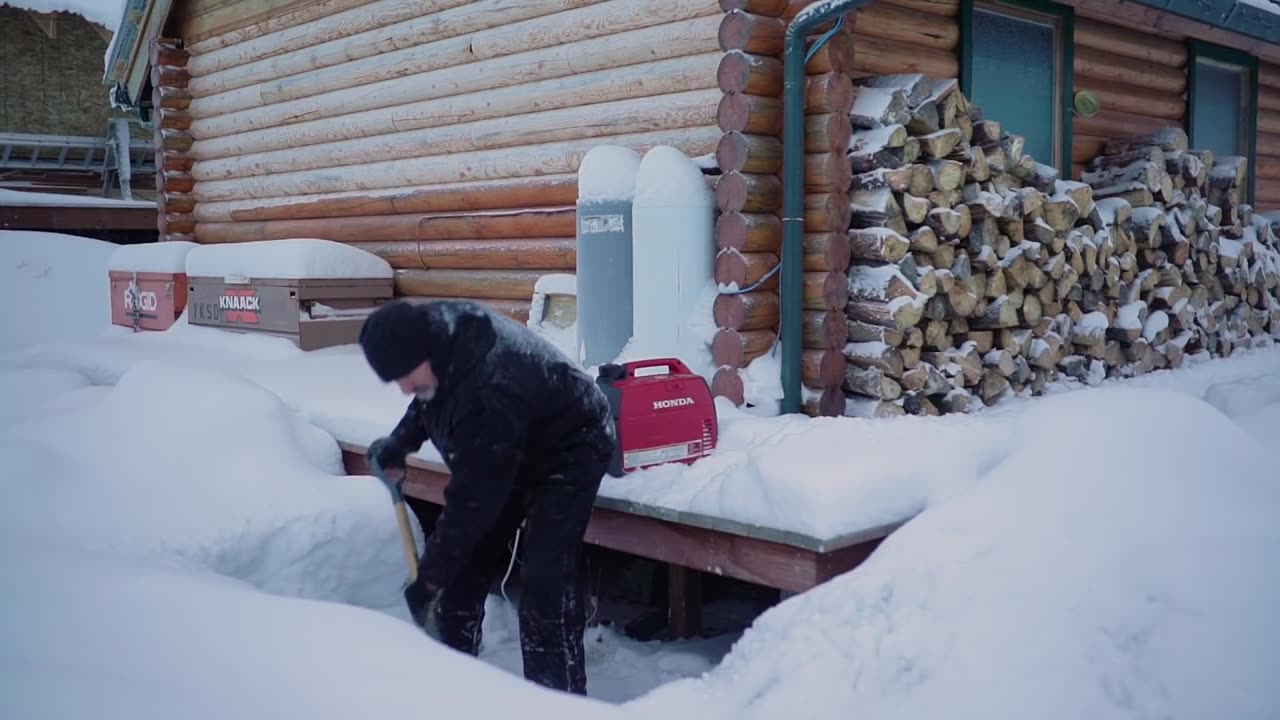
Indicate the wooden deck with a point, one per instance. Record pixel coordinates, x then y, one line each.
685 542
76 218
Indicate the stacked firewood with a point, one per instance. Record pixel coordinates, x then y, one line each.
977 272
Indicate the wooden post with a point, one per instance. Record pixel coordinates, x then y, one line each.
684 601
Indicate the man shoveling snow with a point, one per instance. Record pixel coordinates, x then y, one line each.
527 437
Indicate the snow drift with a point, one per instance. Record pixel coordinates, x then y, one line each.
1118 574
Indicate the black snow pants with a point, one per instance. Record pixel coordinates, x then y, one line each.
555 510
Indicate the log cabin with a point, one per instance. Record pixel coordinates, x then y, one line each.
444 136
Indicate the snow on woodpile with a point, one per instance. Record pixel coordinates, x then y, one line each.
286 258
24 198
157 257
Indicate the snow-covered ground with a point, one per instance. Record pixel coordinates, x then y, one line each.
176 538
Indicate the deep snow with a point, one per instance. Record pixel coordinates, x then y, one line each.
1103 552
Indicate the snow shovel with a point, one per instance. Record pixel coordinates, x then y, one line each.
410 549
402 518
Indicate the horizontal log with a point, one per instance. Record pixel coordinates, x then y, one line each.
1113 68
827 133
1085 147
174 181
827 212
170 222
1269 121
400 254
1115 124
173 118
552 158
1269 143
827 172
749 114
838 54
752 33
738 348
1134 100
825 291
826 251
736 191
613 51
695 108
1269 75
547 223
171 98
178 202
279 21
913 27
877 56
319 44
743 72
1125 41
825 329
1268 98
476 32
1268 167
662 77
830 92
741 270
749 232
170 76
727 383
944 8
172 140
488 284
518 310
740 152
756 310
771 8
530 192
827 402
822 367
559 254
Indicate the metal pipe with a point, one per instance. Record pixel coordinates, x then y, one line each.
792 290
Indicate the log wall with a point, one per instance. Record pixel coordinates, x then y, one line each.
1139 78
442 135
1267 193
175 218
892 36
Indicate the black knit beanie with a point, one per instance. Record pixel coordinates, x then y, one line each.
395 339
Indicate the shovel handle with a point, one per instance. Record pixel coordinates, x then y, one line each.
402 519
406 538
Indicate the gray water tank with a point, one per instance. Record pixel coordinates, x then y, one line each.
606 188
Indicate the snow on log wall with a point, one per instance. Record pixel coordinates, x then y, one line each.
1140 80
1267 194
887 37
442 135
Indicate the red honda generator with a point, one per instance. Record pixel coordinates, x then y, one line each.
659 418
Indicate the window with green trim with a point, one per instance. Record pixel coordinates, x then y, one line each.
1018 70
1222 104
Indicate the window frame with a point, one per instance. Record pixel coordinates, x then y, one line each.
1063 17
1198 50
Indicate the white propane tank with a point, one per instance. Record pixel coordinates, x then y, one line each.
673 249
606 185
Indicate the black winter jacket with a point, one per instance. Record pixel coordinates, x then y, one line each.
510 412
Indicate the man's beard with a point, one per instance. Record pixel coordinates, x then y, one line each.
424 393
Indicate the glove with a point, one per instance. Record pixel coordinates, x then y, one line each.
386 459
422 601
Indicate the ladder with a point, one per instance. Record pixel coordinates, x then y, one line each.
81 154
